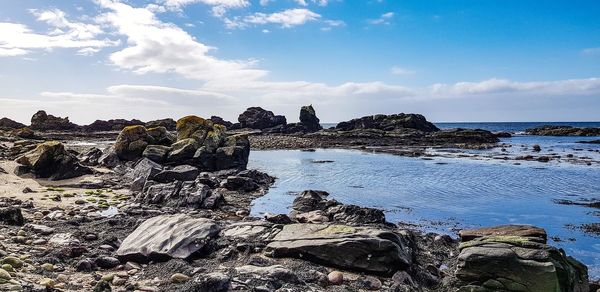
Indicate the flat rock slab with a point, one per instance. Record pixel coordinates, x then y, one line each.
355 248
532 232
167 236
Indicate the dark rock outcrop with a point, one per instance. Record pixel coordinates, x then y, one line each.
6 123
562 131
168 236
259 118
355 248
389 123
308 118
44 122
111 125
24 133
221 121
11 216
168 123
132 142
51 160
516 258
474 136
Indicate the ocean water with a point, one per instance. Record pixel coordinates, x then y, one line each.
446 194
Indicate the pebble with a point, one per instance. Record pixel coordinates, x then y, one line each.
47 282
8 267
62 278
4 275
179 278
118 281
48 267
13 261
335 278
108 277
107 262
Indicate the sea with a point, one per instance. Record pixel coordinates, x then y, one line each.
446 194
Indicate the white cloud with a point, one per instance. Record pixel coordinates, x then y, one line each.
401 71
496 86
591 51
287 18
17 39
383 19
154 46
301 2
219 7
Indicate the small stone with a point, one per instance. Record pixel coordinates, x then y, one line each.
8 268
179 278
102 286
84 266
108 277
4 275
38 216
107 262
370 283
118 281
537 148
21 233
132 266
335 278
47 282
13 261
48 267
62 278
90 237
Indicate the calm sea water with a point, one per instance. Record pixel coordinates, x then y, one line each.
448 193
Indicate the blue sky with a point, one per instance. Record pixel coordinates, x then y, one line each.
449 60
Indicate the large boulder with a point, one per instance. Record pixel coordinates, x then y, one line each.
43 121
259 118
168 236
562 131
24 133
516 258
160 136
193 127
354 248
221 121
51 160
131 142
389 123
6 123
11 216
168 123
308 118
111 125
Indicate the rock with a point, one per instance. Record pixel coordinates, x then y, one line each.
548 130
91 157
528 264
212 282
193 127
109 157
107 262
40 229
4 275
258 118
313 206
132 142
167 236
84 266
370 283
6 123
356 215
47 282
221 121
42 121
278 218
275 272
161 136
11 216
14 262
335 278
51 160
357 248
531 232
143 170
308 118
102 286
180 173
239 183
156 153
47 267
537 148
471 136
169 124
111 125
182 151
179 278
389 123
175 194
311 200
316 216
24 133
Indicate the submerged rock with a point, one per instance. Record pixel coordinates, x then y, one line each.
355 248
51 160
516 258
168 236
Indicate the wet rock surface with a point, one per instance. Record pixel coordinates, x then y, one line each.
562 131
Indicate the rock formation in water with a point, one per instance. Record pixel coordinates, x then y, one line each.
562 131
259 118
389 123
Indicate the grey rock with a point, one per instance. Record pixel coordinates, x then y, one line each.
143 170
156 153
356 248
107 262
180 172
239 183
168 236
212 282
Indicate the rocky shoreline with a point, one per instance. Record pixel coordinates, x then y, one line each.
158 210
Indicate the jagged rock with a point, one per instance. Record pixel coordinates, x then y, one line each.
43 121
6 123
24 133
160 136
259 118
51 160
239 183
168 123
497 260
311 200
356 214
355 248
156 153
180 173
221 121
562 131
389 123
177 194
309 119
109 157
11 216
193 127
91 157
143 170
168 236
111 125
212 282
132 142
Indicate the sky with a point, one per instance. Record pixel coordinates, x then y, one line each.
504 60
